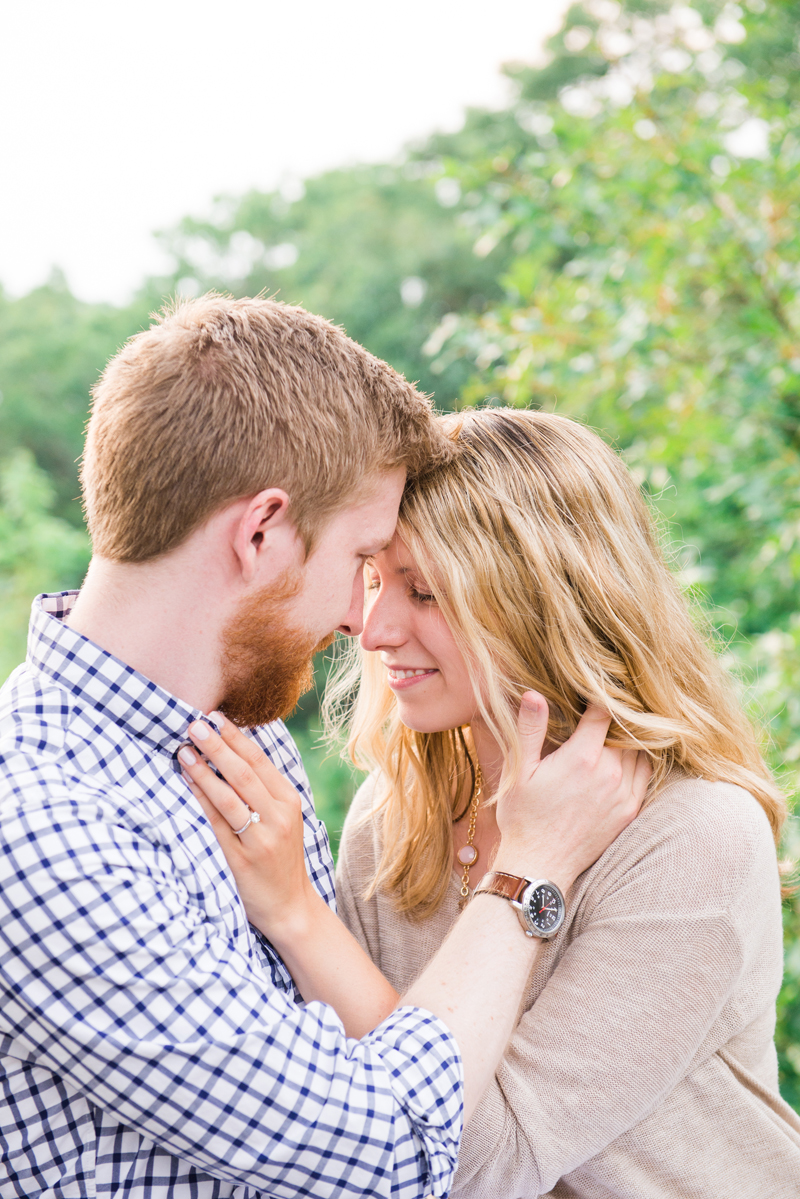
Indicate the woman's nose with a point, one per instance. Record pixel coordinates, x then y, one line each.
381 627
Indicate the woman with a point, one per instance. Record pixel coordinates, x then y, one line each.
644 1063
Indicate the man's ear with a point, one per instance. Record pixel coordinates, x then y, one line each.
265 515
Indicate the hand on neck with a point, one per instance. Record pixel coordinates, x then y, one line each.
490 756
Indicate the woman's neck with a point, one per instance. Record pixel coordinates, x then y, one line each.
490 756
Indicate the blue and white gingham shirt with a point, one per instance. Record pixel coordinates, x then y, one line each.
151 1044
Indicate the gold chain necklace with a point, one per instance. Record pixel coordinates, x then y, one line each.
468 854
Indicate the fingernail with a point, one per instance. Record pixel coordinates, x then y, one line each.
200 730
186 756
218 718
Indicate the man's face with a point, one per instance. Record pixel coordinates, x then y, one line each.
332 597
269 644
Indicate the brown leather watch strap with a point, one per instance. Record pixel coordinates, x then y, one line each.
507 886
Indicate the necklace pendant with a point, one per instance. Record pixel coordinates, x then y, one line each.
467 855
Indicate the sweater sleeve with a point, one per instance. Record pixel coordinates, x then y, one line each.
660 941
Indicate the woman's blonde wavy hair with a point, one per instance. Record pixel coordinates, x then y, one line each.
542 557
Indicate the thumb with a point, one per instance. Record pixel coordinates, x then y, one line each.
532 728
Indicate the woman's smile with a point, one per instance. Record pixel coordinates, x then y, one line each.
402 677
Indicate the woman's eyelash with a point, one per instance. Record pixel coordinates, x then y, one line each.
422 597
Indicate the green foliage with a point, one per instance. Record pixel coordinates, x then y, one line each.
52 349
653 295
38 551
333 781
375 249
787 1034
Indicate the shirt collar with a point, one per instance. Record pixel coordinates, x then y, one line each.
95 677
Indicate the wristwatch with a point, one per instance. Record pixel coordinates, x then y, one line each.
538 903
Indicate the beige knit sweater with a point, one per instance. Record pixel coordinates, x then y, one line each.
643 1066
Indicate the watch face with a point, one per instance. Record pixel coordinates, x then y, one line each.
544 909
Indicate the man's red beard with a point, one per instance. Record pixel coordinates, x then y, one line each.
267 663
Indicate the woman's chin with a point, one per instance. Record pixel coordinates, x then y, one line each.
427 722
423 726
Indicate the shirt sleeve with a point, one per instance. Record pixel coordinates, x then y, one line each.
114 980
627 1012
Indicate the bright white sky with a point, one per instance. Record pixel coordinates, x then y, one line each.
120 118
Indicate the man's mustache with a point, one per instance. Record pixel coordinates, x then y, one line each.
324 644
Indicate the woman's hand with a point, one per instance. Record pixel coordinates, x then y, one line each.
268 863
266 858
566 809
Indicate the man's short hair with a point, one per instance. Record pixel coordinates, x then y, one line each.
221 398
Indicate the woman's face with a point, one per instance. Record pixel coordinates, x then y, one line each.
425 669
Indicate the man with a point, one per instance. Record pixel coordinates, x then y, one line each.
243 459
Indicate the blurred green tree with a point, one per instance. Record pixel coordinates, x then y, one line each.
653 287
52 349
375 249
38 551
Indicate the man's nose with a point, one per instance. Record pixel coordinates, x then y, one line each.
354 621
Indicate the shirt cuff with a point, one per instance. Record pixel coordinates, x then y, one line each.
424 1062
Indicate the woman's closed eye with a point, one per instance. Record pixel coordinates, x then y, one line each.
372 578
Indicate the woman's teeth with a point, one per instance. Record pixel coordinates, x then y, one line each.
407 674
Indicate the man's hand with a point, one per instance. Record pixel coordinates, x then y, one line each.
565 809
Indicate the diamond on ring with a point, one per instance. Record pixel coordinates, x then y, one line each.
253 818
